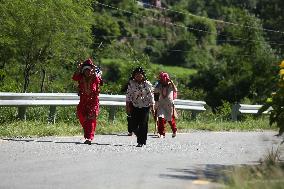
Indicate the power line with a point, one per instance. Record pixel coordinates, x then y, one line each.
136 37
165 38
219 55
236 55
215 20
179 25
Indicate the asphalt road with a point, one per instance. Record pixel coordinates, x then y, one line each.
192 160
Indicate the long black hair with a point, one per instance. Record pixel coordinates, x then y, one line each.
135 71
138 70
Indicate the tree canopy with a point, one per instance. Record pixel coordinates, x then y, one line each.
35 33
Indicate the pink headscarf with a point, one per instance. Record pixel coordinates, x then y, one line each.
165 78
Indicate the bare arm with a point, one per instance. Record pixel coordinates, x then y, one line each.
77 74
174 86
128 107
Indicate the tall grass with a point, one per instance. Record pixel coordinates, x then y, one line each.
67 123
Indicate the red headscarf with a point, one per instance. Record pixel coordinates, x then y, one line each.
88 62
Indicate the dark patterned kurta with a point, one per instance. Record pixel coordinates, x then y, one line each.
142 98
141 95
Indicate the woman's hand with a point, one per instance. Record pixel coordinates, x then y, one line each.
93 116
79 67
128 108
174 86
152 109
93 73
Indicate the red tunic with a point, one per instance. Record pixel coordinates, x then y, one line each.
88 107
89 95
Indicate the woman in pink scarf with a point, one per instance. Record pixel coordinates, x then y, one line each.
88 107
165 92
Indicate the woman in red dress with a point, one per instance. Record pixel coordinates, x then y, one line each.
89 89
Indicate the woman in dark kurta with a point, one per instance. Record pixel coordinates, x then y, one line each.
88 107
139 100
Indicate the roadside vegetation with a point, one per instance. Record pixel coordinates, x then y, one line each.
67 123
268 174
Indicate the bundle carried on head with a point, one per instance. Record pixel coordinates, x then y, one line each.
87 64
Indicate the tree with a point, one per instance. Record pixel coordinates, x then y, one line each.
276 101
35 33
260 56
271 13
243 68
104 27
193 48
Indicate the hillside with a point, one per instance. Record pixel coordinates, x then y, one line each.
225 50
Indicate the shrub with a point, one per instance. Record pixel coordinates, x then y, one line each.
276 101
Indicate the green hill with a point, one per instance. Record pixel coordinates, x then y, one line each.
227 49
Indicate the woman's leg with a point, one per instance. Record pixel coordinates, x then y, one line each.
142 119
134 120
144 125
173 126
161 126
129 125
81 116
89 128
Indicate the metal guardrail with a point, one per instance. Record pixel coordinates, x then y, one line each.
238 109
23 100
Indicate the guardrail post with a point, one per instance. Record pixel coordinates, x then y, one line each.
112 111
22 113
193 115
235 112
52 115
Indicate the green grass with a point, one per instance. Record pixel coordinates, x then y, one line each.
104 126
37 128
248 125
269 174
174 71
67 123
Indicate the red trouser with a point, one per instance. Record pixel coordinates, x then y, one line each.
89 125
162 123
